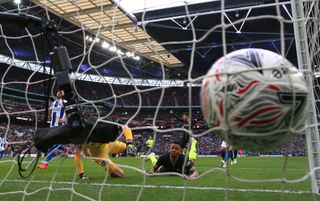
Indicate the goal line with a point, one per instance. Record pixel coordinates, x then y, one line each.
201 188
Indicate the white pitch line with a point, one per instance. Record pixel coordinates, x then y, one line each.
280 169
163 187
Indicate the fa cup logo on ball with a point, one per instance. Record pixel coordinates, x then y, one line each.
255 98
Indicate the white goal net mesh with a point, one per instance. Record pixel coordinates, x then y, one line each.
122 75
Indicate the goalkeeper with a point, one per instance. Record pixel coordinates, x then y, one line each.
102 151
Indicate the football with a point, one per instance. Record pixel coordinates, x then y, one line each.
256 99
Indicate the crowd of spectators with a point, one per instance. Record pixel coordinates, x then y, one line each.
113 94
128 95
21 115
18 137
209 144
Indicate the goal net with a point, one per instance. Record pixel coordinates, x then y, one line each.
141 66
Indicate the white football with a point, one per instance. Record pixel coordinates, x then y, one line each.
256 98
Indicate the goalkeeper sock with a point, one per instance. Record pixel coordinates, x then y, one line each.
78 162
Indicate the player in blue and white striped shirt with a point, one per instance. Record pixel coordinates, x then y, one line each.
3 145
57 110
57 119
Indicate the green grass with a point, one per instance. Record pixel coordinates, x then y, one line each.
57 182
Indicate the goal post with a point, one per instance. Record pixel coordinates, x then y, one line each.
302 13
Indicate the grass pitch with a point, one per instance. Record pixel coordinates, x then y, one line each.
253 178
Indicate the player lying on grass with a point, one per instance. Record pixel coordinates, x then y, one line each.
191 149
102 151
173 162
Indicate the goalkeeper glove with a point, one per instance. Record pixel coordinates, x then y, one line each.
130 149
83 177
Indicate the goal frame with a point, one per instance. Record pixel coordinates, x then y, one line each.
304 64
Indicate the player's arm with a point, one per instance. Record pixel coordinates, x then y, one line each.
158 164
131 149
154 169
194 172
175 116
49 105
62 118
49 110
191 169
195 121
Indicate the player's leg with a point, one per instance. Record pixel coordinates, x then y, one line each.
1 150
193 150
235 154
65 149
163 169
138 152
116 147
186 146
152 158
185 142
79 164
110 167
48 158
114 170
230 155
223 156
103 152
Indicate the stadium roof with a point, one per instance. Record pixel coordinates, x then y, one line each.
250 23
163 33
108 22
139 6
